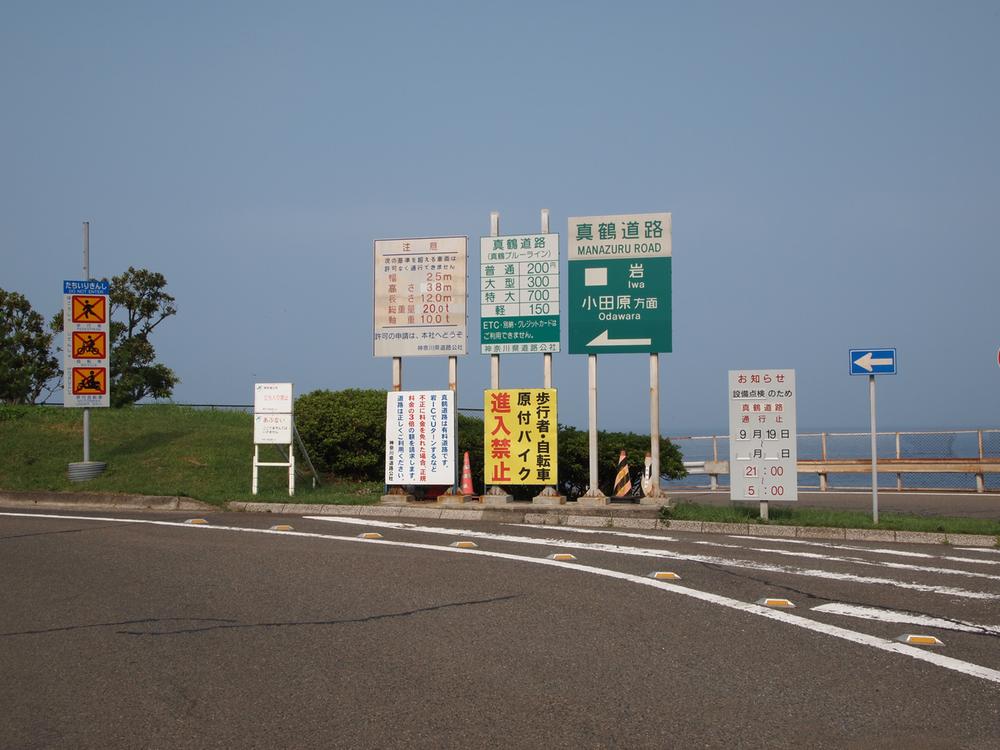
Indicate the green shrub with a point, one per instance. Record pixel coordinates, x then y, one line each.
344 431
574 460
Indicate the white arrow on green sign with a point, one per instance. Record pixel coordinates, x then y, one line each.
619 284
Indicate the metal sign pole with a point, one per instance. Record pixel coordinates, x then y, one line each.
495 494
456 475
256 463
494 358
871 400
594 495
549 494
86 277
546 356
654 427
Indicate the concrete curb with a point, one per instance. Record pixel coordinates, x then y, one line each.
620 518
612 516
98 501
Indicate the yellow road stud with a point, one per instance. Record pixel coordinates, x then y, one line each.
281 527
562 556
464 545
920 640
665 575
370 535
772 602
196 521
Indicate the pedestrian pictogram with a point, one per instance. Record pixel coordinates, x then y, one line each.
623 481
90 381
90 345
89 308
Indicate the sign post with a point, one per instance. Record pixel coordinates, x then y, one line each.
872 362
86 353
620 302
519 297
763 464
273 425
420 310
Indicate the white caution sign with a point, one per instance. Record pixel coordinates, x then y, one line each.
273 424
762 435
420 297
420 441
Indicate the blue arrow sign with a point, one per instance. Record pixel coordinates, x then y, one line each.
873 361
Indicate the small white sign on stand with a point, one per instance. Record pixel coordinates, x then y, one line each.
273 425
762 436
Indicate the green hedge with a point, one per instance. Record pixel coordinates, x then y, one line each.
344 432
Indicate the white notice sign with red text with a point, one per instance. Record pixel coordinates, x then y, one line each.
420 437
762 436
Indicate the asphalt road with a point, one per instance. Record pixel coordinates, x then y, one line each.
144 634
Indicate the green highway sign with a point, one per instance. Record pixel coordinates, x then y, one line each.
619 284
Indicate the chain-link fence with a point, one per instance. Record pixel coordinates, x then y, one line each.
831 446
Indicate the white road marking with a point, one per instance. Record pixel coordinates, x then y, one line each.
935 658
855 561
888 615
578 530
661 553
874 550
830 545
988 550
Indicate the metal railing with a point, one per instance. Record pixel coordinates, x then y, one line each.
932 460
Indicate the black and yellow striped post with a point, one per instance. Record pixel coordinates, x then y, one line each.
623 481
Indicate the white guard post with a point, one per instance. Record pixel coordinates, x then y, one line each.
273 425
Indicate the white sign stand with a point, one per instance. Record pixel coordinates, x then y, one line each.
273 425
763 461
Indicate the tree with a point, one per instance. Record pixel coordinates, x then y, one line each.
138 296
27 365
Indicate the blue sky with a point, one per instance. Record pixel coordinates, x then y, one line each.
833 171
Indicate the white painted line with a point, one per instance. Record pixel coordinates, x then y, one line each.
888 615
873 550
930 657
988 550
855 561
578 530
666 554
830 545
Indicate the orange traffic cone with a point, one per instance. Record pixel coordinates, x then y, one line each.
623 482
467 488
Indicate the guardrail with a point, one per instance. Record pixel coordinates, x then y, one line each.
898 466
925 458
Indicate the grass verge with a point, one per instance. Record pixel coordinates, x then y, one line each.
154 450
785 516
